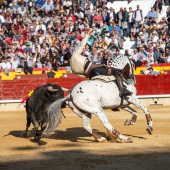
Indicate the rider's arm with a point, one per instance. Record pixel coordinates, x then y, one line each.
83 43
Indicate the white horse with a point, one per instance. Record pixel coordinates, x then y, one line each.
91 97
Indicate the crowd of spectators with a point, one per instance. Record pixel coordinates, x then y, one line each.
38 33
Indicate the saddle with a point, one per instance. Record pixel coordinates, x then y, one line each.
110 77
104 78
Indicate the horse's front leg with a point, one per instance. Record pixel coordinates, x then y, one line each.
135 101
102 116
134 116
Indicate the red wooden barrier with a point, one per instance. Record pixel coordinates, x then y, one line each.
17 89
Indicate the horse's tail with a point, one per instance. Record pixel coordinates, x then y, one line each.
54 113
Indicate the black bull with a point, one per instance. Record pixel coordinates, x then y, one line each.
37 104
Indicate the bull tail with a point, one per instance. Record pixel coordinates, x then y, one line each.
54 115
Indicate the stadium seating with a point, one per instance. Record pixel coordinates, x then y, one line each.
145 5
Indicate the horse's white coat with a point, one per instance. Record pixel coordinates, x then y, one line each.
91 96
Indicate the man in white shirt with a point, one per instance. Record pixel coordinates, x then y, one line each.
138 16
2 19
6 65
41 26
15 63
134 55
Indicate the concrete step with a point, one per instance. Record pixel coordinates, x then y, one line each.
163 13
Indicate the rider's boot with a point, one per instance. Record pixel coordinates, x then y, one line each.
123 90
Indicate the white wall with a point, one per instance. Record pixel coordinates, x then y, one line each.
145 5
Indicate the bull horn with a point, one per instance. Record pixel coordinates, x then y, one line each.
50 88
65 89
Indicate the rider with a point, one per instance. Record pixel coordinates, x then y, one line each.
82 66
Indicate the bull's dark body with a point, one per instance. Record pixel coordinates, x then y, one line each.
37 104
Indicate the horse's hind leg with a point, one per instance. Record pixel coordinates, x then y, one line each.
25 134
135 101
134 117
102 116
86 122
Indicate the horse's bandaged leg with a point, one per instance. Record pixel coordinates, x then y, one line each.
134 117
121 137
148 118
96 135
116 133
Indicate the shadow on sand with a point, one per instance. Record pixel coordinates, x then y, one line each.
84 160
70 134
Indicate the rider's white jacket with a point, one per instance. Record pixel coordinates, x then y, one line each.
77 61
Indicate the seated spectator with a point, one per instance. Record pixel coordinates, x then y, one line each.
30 65
157 54
142 55
134 32
152 13
134 55
167 51
15 63
6 66
38 64
150 60
48 6
164 58
97 17
150 71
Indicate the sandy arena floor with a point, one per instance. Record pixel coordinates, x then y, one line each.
72 148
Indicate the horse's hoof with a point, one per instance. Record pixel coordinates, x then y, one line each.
102 139
129 140
149 130
127 122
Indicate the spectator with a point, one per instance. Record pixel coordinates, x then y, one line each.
138 16
111 16
15 63
125 23
163 58
130 20
30 65
6 66
97 17
47 6
150 71
142 55
152 13
134 32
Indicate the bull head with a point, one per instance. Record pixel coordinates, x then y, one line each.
50 88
